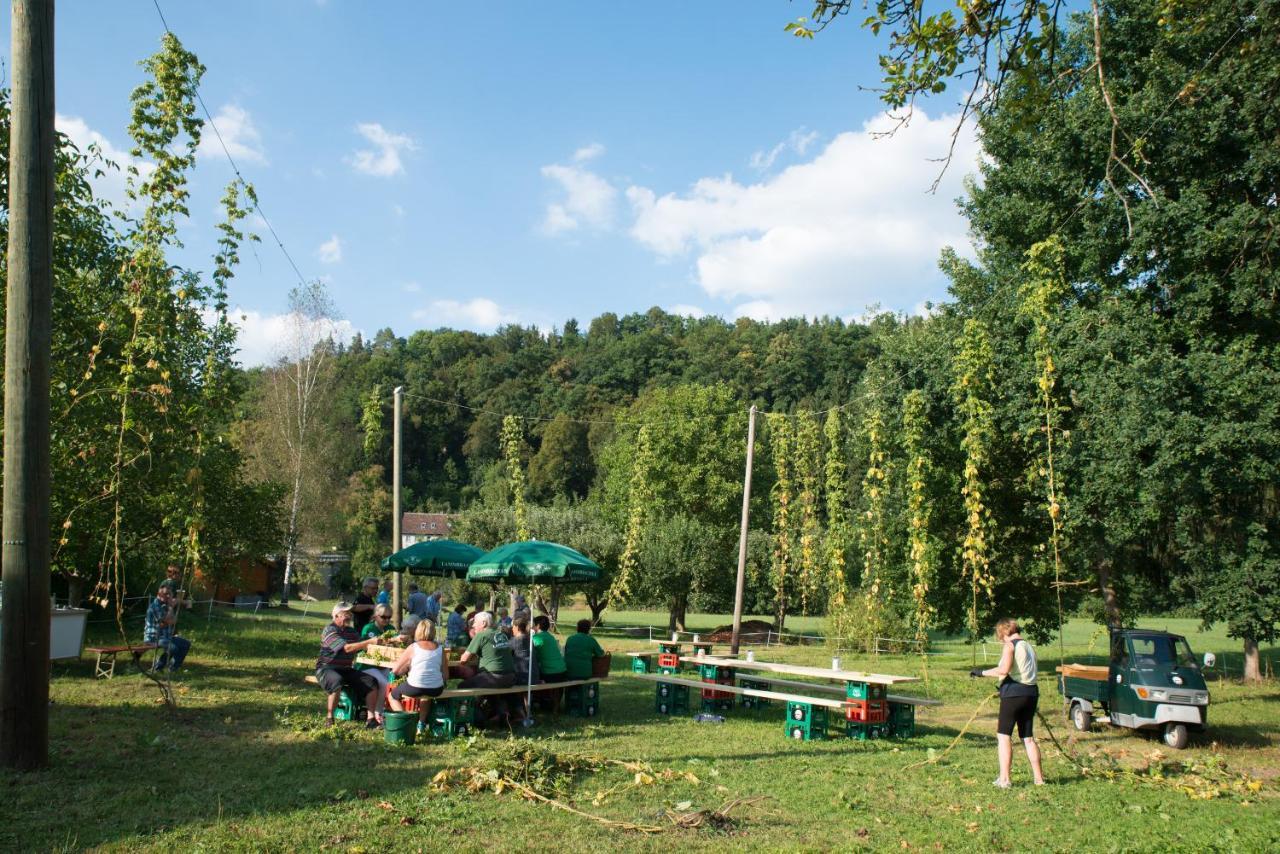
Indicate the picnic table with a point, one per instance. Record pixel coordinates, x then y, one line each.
863 704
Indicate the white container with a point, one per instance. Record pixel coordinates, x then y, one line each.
751 655
701 652
675 637
697 638
66 632
835 664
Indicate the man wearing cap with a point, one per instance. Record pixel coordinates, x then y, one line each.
339 644
491 650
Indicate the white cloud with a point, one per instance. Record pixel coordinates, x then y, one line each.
797 141
850 227
330 252
259 336
589 200
112 183
685 310
238 133
588 152
383 160
479 314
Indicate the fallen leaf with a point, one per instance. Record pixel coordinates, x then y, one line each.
863 833
383 805
683 805
407 820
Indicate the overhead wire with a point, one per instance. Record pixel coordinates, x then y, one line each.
257 205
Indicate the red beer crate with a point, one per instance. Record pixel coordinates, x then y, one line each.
668 659
867 712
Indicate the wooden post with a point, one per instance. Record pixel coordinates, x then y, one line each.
395 502
742 536
24 640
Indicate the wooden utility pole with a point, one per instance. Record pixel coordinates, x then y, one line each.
24 616
742 536
395 501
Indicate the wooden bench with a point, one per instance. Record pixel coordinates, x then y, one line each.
104 664
838 689
746 692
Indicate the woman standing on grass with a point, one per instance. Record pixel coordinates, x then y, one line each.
1019 696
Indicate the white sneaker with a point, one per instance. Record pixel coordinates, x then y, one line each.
1001 784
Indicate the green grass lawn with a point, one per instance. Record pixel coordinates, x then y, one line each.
242 764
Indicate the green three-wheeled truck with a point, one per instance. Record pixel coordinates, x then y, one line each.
1152 683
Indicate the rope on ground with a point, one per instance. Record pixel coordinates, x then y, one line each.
1069 755
934 760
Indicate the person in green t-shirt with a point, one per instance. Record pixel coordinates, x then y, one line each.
579 650
547 650
492 650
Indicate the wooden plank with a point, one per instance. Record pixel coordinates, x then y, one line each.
644 654
747 692
1094 672
800 670
838 689
489 692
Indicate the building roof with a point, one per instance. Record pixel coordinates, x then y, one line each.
426 524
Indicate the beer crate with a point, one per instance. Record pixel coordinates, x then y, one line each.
710 704
864 691
810 719
669 659
801 732
866 712
716 673
669 648
582 700
451 716
640 663
671 699
866 732
902 720
754 702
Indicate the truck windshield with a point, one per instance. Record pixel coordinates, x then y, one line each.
1161 652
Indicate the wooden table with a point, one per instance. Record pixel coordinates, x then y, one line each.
801 670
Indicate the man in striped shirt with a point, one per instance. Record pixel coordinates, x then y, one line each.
335 669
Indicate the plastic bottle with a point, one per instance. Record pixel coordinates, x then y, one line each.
705 718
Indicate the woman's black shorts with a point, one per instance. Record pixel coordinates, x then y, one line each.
404 689
1020 710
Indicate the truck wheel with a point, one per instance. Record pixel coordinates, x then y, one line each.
1175 735
1081 719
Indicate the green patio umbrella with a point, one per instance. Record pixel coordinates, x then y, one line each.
533 561
439 558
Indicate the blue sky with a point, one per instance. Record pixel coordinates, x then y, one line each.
539 161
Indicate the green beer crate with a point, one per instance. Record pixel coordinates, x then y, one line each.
806 722
451 716
671 699
801 732
348 708
754 702
716 673
864 691
709 705
866 732
639 664
583 700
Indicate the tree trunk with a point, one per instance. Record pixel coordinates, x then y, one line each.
1110 602
292 536
75 590
597 603
1252 668
675 621
780 618
555 605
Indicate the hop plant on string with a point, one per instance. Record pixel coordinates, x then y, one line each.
1042 298
808 464
973 390
921 553
872 530
640 501
839 528
781 446
512 445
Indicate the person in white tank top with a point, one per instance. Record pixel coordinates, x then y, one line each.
1019 698
426 668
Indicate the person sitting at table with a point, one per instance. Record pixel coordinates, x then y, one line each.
521 653
546 648
425 667
457 627
504 621
490 651
375 629
579 650
160 628
339 643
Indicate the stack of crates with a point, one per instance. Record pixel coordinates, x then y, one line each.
867 714
749 702
806 722
451 716
716 699
583 700
902 720
672 699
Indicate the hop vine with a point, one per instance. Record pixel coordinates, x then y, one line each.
872 532
512 445
808 465
839 529
639 503
921 554
1042 297
973 390
781 447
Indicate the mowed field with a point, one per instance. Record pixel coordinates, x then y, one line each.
243 764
